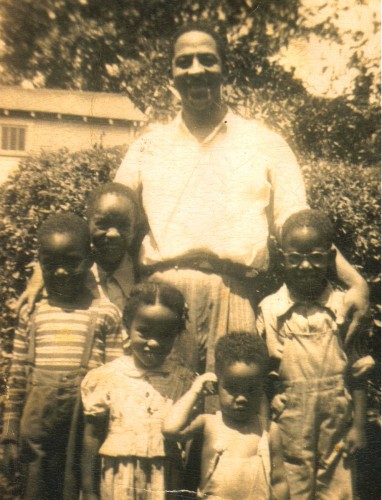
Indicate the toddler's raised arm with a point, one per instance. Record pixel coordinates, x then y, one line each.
175 425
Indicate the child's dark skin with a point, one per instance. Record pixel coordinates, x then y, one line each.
239 387
307 263
152 333
112 224
65 260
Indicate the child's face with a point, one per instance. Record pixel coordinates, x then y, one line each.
307 261
112 226
152 334
64 260
240 390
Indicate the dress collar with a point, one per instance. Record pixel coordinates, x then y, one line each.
128 366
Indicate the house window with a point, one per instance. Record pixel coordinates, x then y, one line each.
13 138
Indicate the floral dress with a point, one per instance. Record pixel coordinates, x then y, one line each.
137 462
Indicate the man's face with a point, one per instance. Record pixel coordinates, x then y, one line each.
197 71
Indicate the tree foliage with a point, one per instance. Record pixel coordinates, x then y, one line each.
122 46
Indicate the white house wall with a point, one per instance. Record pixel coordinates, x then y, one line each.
51 135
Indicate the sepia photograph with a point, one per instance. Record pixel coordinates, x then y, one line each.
190 250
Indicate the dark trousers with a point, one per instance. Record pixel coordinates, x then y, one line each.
50 418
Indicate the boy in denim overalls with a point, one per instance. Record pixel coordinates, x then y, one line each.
68 334
321 427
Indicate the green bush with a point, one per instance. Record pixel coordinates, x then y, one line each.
350 195
62 180
42 184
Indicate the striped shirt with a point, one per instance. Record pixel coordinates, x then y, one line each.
60 338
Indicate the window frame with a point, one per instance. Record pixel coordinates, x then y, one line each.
18 139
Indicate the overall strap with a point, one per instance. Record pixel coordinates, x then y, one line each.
30 359
73 449
90 336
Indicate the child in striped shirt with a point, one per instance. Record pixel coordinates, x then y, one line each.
68 334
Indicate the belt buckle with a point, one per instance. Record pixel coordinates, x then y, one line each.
251 272
204 265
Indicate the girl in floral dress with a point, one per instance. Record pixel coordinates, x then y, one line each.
125 402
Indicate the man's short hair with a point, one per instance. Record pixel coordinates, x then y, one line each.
111 188
315 219
65 223
221 42
239 347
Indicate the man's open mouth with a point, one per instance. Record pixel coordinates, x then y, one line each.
199 92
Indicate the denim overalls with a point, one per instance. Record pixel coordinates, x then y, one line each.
51 426
318 409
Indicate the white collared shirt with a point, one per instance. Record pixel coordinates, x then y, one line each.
213 196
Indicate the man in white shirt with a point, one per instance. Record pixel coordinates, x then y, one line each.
214 186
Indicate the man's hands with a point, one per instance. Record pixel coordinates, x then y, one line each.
34 288
362 366
354 441
278 403
355 309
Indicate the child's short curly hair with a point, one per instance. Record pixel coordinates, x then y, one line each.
65 223
111 188
310 218
156 292
242 347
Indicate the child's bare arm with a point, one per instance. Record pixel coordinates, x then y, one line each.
175 425
279 483
356 437
94 435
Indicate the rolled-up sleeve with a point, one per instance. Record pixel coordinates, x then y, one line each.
288 189
129 171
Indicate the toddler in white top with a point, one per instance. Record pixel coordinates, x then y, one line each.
241 453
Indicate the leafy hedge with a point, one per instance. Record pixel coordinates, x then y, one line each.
350 195
62 180
43 183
